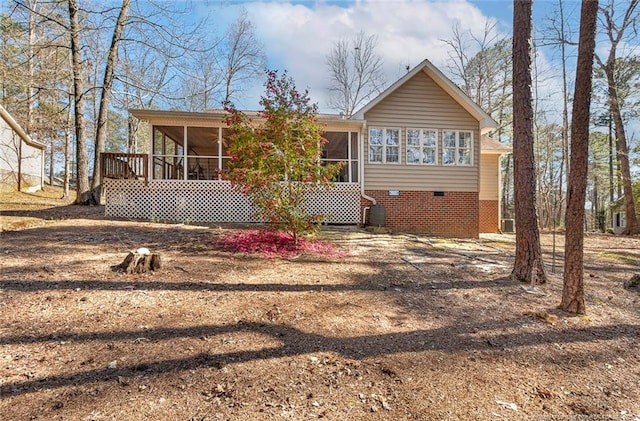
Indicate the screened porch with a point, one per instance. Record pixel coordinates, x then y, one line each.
202 153
184 179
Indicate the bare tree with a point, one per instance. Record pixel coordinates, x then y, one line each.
105 97
143 75
528 265
548 151
598 176
204 81
485 76
12 75
219 69
559 34
616 31
67 151
242 56
150 27
356 73
31 66
83 193
573 290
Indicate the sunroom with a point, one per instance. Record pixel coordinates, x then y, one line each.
180 179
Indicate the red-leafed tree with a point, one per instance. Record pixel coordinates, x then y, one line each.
275 160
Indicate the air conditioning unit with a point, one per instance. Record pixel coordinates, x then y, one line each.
508 225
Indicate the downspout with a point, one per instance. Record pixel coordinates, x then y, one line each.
42 152
361 175
19 163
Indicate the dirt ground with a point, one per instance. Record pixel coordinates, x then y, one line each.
403 328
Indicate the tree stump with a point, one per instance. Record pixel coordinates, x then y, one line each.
141 261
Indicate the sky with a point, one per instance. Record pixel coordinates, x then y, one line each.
298 35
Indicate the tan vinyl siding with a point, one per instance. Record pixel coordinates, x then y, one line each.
489 176
421 103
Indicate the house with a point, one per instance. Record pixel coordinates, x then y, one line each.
21 158
619 222
416 161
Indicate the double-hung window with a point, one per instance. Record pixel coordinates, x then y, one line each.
384 145
422 146
457 147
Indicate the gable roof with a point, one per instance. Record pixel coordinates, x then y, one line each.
486 122
16 128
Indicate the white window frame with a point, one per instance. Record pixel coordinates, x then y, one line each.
421 146
384 145
457 149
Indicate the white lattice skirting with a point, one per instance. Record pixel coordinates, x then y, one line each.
214 201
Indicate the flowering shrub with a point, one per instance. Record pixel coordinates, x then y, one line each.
275 244
277 162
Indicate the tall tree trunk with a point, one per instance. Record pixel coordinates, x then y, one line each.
611 190
573 290
67 152
51 163
632 226
103 111
565 117
528 265
595 204
30 65
615 31
83 196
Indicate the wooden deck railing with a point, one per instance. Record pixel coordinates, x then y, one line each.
124 165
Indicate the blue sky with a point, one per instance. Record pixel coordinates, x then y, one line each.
298 35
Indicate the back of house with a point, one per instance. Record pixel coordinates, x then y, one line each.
415 161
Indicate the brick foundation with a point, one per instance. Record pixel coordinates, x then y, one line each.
489 216
456 214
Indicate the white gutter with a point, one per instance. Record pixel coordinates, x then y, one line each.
16 127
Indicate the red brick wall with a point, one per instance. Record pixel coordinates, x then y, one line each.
456 214
489 216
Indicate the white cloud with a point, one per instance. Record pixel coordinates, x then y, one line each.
298 37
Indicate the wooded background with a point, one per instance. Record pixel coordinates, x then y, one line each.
71 69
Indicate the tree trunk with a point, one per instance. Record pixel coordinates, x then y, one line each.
615 31
528 265
103 111
51 161
67 153
611 190
565 117
30 66
573 289
632 226
83 196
